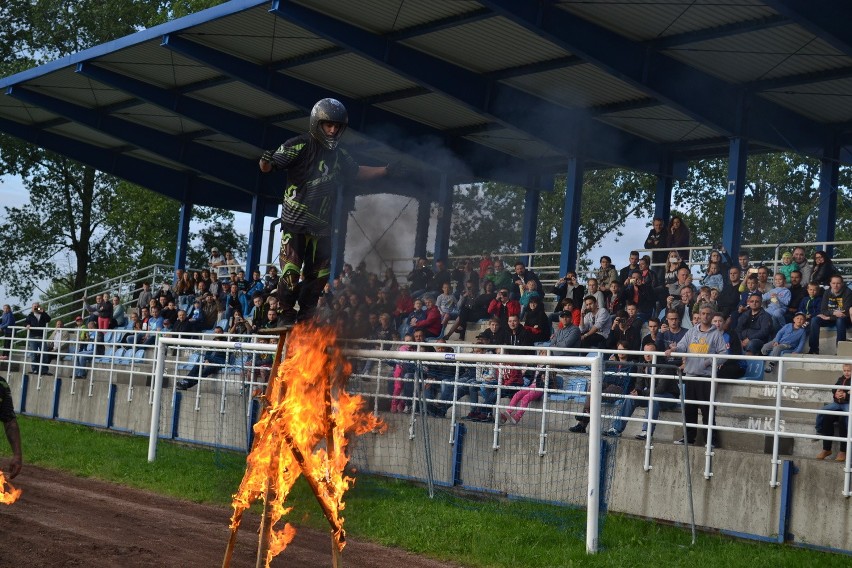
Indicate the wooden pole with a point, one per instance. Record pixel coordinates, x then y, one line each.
271 388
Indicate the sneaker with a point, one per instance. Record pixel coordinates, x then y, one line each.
511 417
641 436
579 427
823 454
681 442
767 369
185 384
612 432
841 457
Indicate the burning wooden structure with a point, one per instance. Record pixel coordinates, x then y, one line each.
302 430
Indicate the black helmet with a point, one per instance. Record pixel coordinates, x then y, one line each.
328 110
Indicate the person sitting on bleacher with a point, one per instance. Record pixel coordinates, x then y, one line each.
834 310
566 335
617 379
472 308
212 363
790 338
536 322
825 423
754 326
86 351
776 301
568 287
665 387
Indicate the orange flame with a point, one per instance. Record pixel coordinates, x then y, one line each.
10 496
302 431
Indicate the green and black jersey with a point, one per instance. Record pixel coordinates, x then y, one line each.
314 174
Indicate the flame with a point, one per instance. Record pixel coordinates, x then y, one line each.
302 431
10 496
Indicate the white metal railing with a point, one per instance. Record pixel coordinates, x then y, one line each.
83 363
125 286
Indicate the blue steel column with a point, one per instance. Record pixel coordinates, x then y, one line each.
340 227
571 215
445 217
255 238
829 173
532 198
732 229
424 207
663 196
183 235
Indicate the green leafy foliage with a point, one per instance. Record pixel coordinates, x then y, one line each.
81 225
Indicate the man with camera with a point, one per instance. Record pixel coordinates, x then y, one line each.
502 307
36 321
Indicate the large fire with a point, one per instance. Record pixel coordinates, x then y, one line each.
302 430
10 496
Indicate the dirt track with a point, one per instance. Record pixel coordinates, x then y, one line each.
65 521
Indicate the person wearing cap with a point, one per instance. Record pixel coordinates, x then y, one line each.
790 339
566 335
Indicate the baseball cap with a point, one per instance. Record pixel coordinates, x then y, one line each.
78 318
565 314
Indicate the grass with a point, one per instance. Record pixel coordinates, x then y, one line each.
396 513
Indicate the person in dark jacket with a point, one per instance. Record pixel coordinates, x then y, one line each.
754 326
834 310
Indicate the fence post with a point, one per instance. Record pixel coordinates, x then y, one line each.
594 495
158 395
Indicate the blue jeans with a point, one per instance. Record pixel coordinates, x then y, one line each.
817 323
835 406
630 404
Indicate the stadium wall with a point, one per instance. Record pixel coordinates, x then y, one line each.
737 499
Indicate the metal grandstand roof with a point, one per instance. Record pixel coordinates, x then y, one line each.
498 89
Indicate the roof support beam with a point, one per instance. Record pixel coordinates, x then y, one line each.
562 128
718 32
707 99
228 168
441 24
163 180
245 128
800 80
394 130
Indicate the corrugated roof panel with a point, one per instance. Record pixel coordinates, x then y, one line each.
659 123
243 99
487 45
159 119
760 54
20 112
817 55
384 16
576 86
257 36
830 101
85 134
514 143
435 110
69 86
351 75
642 20
155 64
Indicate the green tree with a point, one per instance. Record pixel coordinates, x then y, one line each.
488 216
80 224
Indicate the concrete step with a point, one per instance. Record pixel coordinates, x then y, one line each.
844 349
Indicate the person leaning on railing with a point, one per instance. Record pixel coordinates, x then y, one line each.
825 423
7 320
